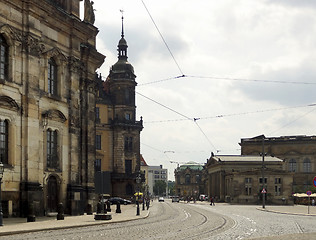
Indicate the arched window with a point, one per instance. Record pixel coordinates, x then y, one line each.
52 77
187 179
307 165
52 146
4 149
292 165
4 59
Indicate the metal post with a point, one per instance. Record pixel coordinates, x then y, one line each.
263 186
1 213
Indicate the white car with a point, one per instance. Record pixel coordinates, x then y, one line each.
160 199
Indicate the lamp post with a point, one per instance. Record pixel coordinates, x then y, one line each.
263 185
1 176
138 180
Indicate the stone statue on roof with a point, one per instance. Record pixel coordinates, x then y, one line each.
89 12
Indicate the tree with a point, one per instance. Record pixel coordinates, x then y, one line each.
160 187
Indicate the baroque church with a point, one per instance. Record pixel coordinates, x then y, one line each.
47 105
117 164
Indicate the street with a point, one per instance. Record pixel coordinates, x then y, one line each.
193 221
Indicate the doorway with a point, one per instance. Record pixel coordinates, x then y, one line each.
52 194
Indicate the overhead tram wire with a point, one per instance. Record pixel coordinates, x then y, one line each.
188 118
228 79
234 114
163 39
289 123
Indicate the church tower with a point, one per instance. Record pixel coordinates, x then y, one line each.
126 130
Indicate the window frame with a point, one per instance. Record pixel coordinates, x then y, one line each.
4 58
52 77
4 141
52 156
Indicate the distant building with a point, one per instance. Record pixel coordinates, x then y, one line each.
238 179
144 168
156 173
117 130
188 180
298 153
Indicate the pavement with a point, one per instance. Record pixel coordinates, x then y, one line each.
302 210
20 225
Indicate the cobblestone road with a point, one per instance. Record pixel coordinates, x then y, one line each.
193 221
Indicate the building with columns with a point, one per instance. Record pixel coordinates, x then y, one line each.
47 101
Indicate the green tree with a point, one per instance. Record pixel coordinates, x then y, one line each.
160 188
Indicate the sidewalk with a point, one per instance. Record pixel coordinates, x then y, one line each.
19 225
294 210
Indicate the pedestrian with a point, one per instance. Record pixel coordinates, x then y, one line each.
212 201
313 202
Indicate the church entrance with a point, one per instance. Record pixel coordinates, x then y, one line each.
52 192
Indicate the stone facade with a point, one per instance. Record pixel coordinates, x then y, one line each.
47 100
239 179
118 132
189 180
298 153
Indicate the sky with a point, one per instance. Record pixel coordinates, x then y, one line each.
248 69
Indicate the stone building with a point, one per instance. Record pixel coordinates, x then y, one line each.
298 153
47 97
239 179
189 180
117 131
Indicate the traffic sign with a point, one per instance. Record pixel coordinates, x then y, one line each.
314 181
264 191
309 193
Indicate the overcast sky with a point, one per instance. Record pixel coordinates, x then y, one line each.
250 68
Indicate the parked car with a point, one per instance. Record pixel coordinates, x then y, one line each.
160 199
175 199
116 200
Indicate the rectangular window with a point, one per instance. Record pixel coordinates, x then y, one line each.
52 77
277 180
265 180
128 144
156 176
4 49
52 156
248 190
97 165
128 166
248 180
4 141
97 115
98 142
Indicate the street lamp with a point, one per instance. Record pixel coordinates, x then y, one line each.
138 180
1 176
263 185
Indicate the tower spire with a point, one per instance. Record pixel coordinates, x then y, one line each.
122 11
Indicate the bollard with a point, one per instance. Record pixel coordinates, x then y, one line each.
118 207
99 207
108 206
137 209
31 214
89 209
60 210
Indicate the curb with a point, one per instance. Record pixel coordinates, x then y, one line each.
288 213
72 226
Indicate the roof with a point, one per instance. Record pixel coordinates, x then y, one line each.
245 158
191 165
142 161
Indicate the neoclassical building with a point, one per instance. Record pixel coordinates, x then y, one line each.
47 101
239 179
117 130
298 153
